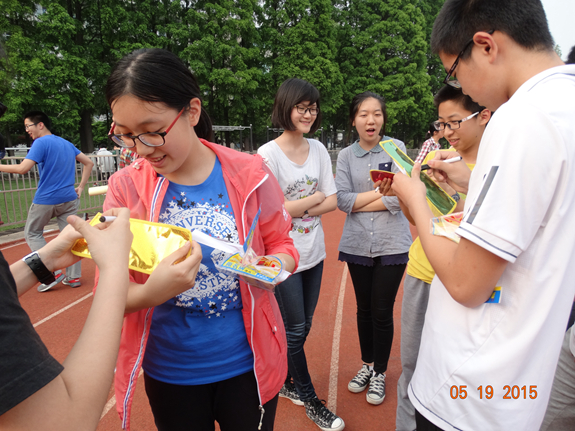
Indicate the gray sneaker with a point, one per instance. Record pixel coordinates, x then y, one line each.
288 391
72 282
316 410
361 380
376 392
59 277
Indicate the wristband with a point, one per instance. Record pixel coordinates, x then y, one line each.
43 274
456 197
305 213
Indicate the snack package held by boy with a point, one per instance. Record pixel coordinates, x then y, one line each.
447 225
440 202
152 243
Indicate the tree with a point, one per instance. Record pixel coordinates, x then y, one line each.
222 50
299 42
382 48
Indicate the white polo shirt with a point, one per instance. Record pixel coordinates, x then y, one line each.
520 207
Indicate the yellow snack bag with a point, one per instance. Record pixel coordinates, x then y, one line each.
152 243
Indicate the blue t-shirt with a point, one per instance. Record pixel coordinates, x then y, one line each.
198 337
56 159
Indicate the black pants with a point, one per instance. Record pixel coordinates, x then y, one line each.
233 403
375 290
423 424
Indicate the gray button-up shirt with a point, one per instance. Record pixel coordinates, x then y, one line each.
369 234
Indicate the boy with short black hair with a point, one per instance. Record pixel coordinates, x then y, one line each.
499 304
462 123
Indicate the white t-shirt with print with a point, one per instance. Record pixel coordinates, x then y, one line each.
520 207
298 182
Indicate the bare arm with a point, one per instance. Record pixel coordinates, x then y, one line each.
21 168
298 207
376 205
365 198
287 260
328 205
86 172
75 399
468 272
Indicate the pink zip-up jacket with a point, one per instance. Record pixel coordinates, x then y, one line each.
249 184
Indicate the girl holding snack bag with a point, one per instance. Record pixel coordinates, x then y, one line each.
303 169
211 346
375 241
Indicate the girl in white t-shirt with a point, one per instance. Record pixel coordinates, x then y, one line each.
303 169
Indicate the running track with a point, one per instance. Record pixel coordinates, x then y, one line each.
332 347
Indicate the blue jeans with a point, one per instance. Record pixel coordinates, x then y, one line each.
297 298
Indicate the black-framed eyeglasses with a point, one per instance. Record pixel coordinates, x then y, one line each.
452 125
301 110
27 126
150 139
454 82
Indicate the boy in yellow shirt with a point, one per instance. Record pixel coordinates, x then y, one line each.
463 121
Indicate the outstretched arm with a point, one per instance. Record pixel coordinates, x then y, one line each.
75 399
21 168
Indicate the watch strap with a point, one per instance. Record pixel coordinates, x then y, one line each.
43 274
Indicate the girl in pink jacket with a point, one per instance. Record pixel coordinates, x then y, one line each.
212 347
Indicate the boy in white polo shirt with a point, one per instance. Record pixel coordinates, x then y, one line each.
501 298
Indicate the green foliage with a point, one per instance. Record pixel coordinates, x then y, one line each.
55 55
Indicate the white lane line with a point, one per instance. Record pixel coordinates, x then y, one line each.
334 368
109 405
62 310
112 401
23 241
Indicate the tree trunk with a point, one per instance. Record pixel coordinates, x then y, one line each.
86 138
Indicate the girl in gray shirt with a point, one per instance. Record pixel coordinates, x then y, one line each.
375 241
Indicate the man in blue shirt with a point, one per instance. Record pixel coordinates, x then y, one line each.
56 195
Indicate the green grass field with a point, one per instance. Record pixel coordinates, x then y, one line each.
17 195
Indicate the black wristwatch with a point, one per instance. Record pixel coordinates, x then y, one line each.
456 197
43 274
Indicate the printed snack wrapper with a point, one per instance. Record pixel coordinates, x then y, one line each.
152 243
264 272
446 226
439 200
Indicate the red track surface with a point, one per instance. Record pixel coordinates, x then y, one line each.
60 332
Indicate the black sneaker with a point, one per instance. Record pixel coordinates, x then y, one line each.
361 380
316 410
376 392
288 391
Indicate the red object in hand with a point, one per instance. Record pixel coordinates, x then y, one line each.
377 175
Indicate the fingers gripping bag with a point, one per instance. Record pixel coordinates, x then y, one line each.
152 243
440 202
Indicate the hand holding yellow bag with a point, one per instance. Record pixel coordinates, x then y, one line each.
152 243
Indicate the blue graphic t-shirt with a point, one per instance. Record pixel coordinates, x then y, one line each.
198 337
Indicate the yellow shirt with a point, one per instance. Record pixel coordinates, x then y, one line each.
418 265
